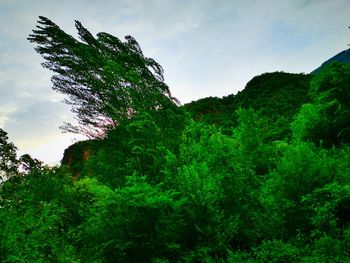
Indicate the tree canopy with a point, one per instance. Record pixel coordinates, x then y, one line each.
105 79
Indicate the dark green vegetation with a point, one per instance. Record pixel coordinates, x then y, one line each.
262 176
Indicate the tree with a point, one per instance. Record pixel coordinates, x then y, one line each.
30 164
325 121
106 80
8 157
136 223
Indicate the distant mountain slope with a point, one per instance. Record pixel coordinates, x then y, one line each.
275 93
276 96
343 57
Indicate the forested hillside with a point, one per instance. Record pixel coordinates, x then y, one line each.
260 176
276 96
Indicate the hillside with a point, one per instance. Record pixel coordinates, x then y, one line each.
341 57
277 96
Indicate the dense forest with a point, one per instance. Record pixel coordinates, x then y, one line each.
260 176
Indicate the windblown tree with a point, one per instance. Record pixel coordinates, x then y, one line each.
106 80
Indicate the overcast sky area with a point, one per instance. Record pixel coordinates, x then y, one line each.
206 47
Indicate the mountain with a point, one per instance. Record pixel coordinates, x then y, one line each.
275 96
343 57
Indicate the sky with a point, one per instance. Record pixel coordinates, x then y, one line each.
206 47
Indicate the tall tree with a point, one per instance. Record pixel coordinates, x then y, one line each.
106 80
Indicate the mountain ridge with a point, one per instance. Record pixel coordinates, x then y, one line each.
342 57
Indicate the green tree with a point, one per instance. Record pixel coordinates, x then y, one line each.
326 120
131 224
106 80
139 144
30 164
8 157
331 88
35 213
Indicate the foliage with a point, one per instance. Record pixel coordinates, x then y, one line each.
106 80
276 251
139 145
34 216
132 224
326 120
277 96
8 157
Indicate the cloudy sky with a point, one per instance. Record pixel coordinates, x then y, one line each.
206 47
